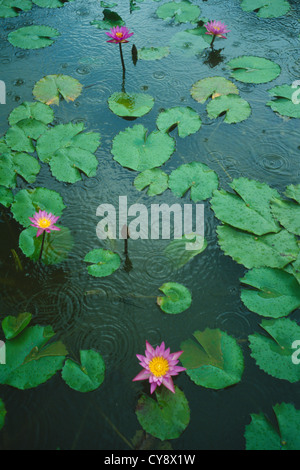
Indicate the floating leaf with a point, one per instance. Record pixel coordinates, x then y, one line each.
284 103
215 361
181 251
188 44
267 8
165 418
69 151
249 208
33 37
212 86
49 89
260 434
187 120
104 262
2 406
293 192
29 112
178 298
56 248
6 196
86 377
251 69
288 214
195 176
138 151
13 326
235 108
153 53
271 250
130 104
11 8
156 179
273 353
51 3
13 164
110 19
179 12
276 293
29 201
30 360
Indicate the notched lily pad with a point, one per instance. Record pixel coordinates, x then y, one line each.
156 180
234 107
195 176
87 376
177 298
131 105
49 89
102 262
252 69
285 101
186 120
33 37
212 87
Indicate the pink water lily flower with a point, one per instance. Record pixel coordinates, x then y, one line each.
159 365
217 28
119 34
44 222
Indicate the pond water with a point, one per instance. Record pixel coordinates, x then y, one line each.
116 314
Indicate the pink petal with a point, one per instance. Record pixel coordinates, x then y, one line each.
143 375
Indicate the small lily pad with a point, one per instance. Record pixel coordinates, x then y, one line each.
49 89
87 376
103 262
13 326
234 107
212 87
188 44
156 179
267 8
179 12
195 176
187 121
130 104
283 102
13 164
153 53
177 298
33 37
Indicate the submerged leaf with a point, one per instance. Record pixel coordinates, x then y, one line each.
180 12
188 44
267 8
181 251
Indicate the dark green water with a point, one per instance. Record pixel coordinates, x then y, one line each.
116 315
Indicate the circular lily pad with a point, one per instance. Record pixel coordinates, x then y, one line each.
177 298
103 262
33 37
180 12
49 89
187 120
188 44
130 104
153 53
252 69
12 8
267 8
212 87
234 107
195 176
87 376
155 179
286 101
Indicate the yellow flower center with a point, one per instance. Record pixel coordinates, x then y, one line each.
119 35
159 366
44 223
217 28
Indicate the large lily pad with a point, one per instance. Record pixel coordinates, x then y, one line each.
271 250
267 8
177 298
273 353
288 214
183 250
251 69
165 418
283 102
234 107
29 201
12 8
293 192
130 104
156 180
102 262
260 434
179 12
212 87
33 37
215 361
136 150
249 208
87 376
195 176
187 120
13 326
30 360
49 89
69 151
275 293
13 164
30 112
6 196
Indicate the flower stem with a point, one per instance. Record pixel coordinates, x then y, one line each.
122 60
212 42
42 247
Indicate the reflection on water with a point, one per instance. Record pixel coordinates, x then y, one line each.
115 315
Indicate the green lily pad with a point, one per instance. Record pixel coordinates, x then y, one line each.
284 103
234 107
130 104
12 8
136 150
153 53
195 176
13 164
288 214
56 248
215 361
260 434
51 3
179 12
69 151
155 179
267 8
49 89
33 37
212 87
188 44
249 208
103 262
178 298
87 376
183 250
293 192
251 69
273 353
29 201
275 293
30 360
31 112
271 250
187 120
167 416
13 326
6 196
110 20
